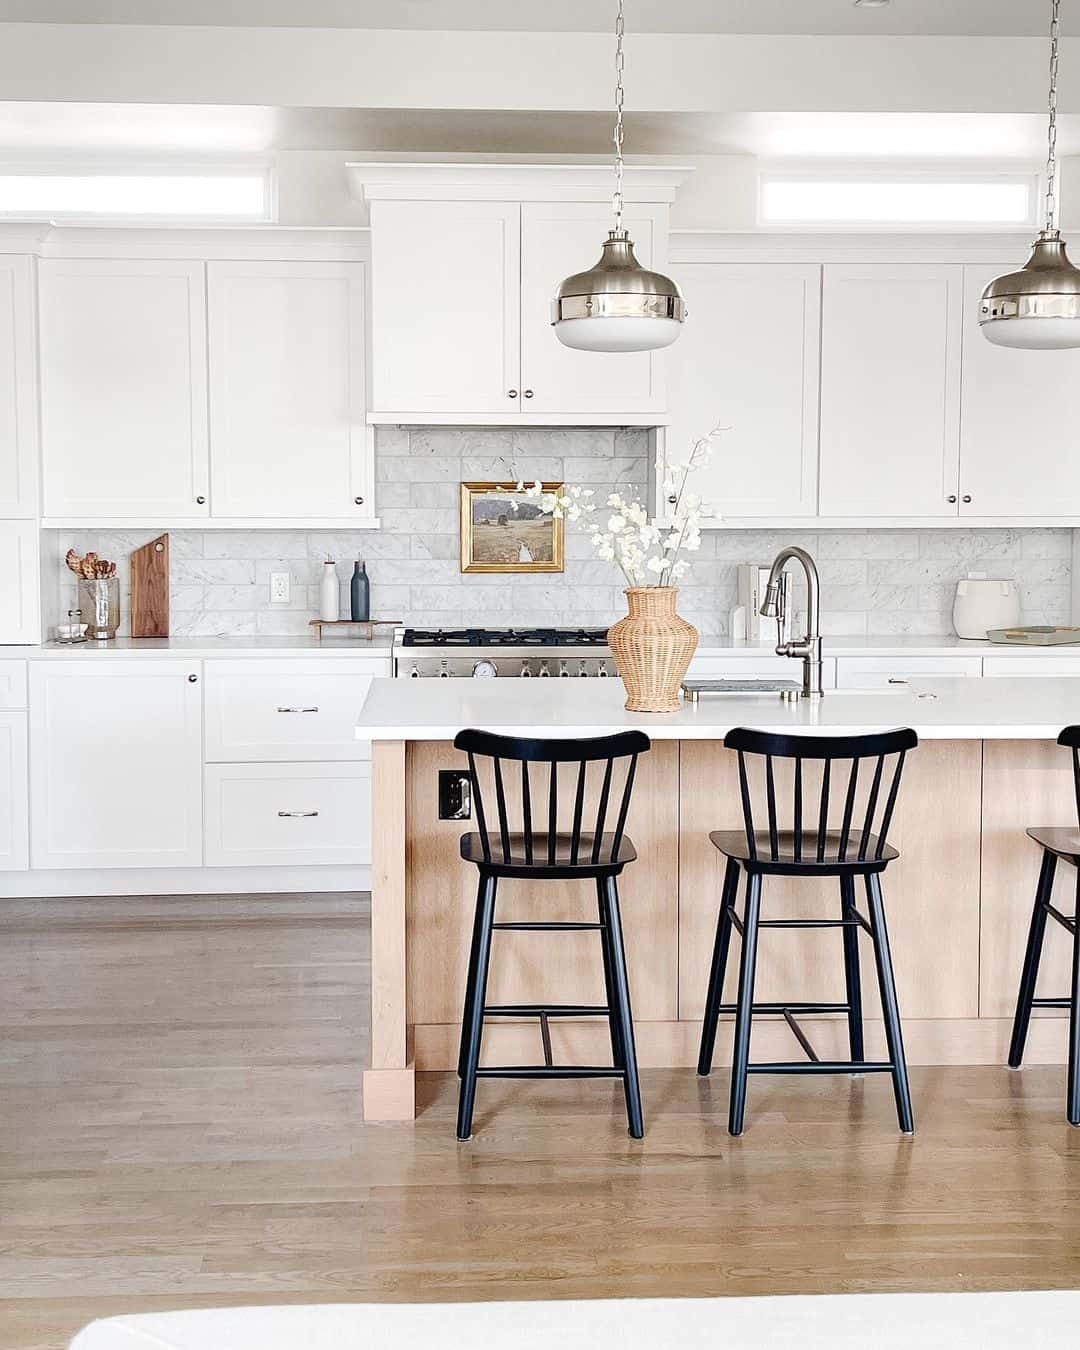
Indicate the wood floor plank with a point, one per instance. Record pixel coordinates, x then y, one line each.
180 1127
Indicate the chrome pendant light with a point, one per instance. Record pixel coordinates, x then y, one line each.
1039 306
617 305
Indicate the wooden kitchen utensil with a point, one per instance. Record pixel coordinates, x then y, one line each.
150 589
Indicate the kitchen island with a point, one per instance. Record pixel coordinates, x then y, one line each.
958 900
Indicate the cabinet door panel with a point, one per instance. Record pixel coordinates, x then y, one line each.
18 390
116 763
748 360
14 828
287 429
557 240
1020 438
20 582
890 390
123 387
446 288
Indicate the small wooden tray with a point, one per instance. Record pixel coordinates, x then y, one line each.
1039 635
367 626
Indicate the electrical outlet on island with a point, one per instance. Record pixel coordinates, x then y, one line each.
279 588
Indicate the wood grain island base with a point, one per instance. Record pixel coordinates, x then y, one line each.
958 903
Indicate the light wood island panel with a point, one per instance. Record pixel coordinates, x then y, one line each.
957 901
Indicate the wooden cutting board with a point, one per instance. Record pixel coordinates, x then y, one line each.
150 589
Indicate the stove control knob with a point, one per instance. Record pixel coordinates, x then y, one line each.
485 670
544 672
444 671
583 670
526 671
564 673
414 674
603 672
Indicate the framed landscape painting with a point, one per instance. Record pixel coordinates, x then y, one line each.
504 531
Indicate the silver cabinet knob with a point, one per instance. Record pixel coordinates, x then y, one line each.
966 497
193 679
951 498
528 393
511 393
201 501
359 501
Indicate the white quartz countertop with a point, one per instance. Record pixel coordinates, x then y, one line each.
205 648
1007 708
890 646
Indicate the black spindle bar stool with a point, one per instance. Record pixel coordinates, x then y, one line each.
810 846
502 849
1056 842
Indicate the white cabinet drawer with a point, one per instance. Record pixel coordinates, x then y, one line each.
878 672
12 684
14 794
1031 665
755 666
287 710
287 814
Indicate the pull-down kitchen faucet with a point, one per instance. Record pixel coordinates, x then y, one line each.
808 649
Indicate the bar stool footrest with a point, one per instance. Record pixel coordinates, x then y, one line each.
823 1066
546 1010
552 1071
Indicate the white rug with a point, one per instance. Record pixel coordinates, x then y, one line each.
1029 1321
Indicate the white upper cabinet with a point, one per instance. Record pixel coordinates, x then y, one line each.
288 432
18 390
890 390
123 388
748 361
557 240
115 763
446 294
1020 432
20 582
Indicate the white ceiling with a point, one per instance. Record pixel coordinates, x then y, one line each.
932 17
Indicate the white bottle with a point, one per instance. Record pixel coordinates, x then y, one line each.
329 592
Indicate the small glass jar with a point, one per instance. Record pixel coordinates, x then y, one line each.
99 600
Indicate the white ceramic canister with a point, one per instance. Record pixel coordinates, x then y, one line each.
984 602
329 592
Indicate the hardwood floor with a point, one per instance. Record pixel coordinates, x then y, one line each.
180 1127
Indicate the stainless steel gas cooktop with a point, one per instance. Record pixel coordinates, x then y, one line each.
486 653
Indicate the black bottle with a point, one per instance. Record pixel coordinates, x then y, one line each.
360 593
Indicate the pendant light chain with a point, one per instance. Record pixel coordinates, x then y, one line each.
620 64
1051 158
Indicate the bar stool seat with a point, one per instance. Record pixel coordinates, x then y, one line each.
1062 840
542 855
798 854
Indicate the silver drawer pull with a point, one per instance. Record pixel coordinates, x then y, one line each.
298 710
892 680
296 815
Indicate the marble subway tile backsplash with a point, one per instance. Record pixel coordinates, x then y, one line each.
876 582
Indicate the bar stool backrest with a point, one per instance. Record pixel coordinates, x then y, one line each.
1070 736
812 837
517 817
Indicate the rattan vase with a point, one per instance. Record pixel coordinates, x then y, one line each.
652 648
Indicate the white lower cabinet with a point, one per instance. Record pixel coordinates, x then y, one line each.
755 666
303 709
115 763
14 809
883 672
1041 663
259 814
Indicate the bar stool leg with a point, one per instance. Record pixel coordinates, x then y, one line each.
1032 957
744 1012
889 1005
1073 1102
470 980
609 983
852 977
631 1086
474 1007
714 997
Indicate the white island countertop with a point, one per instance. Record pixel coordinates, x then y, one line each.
1008 708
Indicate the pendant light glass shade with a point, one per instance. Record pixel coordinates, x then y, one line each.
618 305
1038 307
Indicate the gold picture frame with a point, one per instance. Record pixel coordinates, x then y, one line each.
495 537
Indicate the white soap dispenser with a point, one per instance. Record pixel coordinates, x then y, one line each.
329 592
